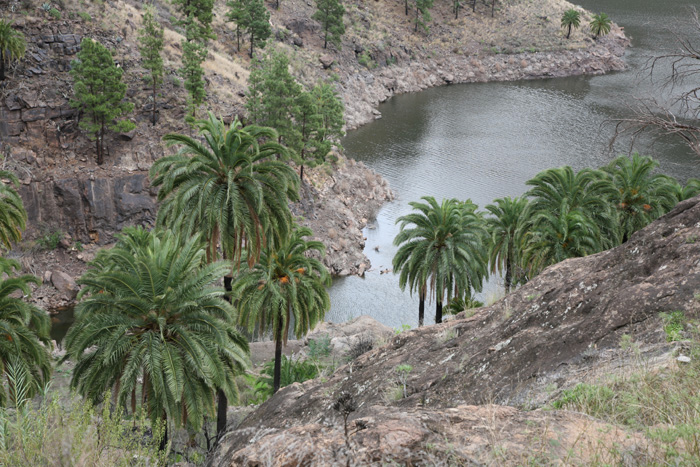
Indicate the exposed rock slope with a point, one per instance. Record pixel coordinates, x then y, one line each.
560 328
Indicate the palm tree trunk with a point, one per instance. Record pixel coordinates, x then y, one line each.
221 408
2 65
278 357
164 439
222 401
438 312
421 308
569 32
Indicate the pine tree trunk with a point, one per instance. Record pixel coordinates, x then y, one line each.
417 10
474 5
406 7
278 357
325 38
252 39
154 101
456 10
421 309
493 6
438 312
301 173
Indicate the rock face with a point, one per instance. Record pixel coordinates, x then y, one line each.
547 335
93 208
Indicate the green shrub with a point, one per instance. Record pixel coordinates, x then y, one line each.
55 13
58 433
366 60
292 371
320 347
85 16
673 325
49 239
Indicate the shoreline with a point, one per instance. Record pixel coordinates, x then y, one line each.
364 91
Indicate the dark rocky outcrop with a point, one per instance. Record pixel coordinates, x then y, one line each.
92 208
560 328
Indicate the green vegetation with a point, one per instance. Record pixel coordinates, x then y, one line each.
291 371
664 404
566 214
57 432
151 40
250 17
444 247
12 46
320 347
673 325
49 239
504 228
84 16
570 19
309 123
600 24
152 325
286 284
196 18
99 93
423 17
13 217
24 338
330 14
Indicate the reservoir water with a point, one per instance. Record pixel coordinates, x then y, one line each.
484 141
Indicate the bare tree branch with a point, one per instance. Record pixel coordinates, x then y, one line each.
649 116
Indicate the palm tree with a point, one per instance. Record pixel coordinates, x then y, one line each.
586 191
503 227
571 18
691 189
639 196
285 285
232 189
12 45
151 322
442 252
553 238
24 334
600 24
13 217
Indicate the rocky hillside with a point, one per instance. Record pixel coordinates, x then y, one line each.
563 327
381 55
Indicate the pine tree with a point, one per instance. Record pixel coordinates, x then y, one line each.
99 93
319 122
272 97
330 14
258 25
194 52
151 40
239 15
197 16
423 14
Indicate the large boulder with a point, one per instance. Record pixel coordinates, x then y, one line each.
566 323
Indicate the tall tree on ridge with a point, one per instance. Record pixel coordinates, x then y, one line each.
151 38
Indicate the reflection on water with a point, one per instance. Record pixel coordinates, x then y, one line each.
483 141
